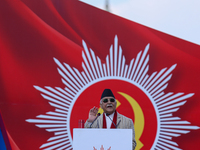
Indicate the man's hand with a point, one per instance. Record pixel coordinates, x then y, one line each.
92 114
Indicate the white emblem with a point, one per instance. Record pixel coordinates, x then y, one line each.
165 104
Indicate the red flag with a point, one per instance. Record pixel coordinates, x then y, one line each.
56 57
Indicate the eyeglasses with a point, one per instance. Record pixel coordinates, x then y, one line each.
106 100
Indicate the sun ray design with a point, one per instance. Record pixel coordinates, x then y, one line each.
165 104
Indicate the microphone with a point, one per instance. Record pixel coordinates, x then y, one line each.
111 120
95 119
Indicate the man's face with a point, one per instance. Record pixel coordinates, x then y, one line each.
108 105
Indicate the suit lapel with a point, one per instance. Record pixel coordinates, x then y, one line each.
119 120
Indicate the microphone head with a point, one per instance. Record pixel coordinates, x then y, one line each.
107 114
98 114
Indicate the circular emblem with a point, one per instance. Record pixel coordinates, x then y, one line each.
140 96
131 102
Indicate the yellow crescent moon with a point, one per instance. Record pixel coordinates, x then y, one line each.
139 119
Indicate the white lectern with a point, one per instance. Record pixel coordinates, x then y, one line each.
93 139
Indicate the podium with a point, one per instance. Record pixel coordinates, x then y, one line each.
94 139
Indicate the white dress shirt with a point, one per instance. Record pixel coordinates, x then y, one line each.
109 120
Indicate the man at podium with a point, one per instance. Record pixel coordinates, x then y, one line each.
110 118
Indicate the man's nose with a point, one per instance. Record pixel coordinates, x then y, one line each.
109 101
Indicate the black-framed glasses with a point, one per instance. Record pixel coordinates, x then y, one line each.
106 100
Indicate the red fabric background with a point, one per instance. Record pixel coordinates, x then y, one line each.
33 32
